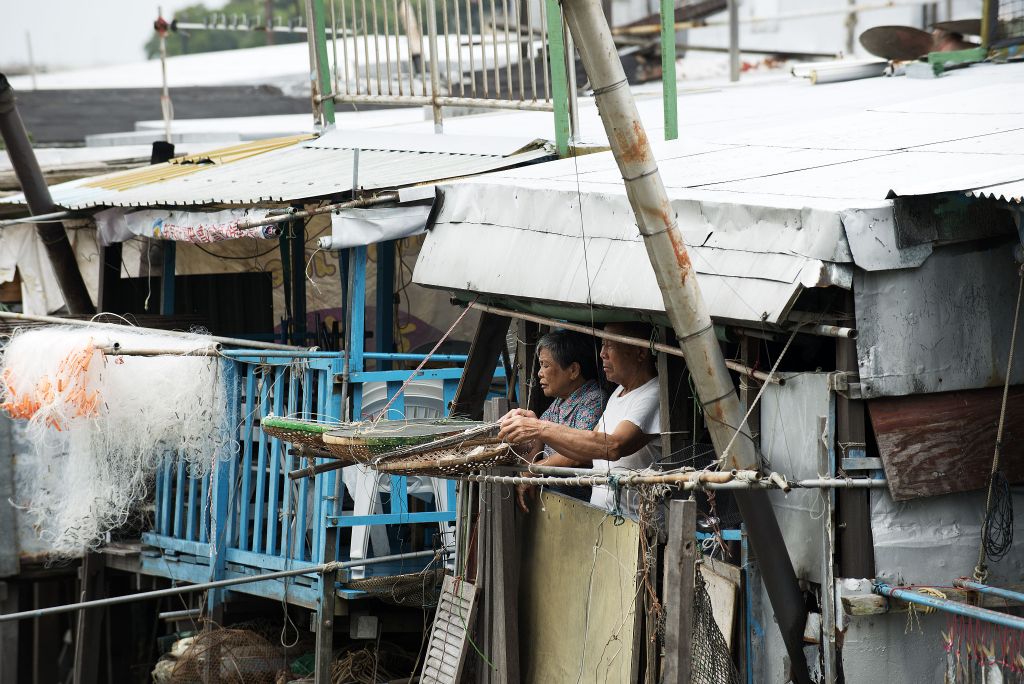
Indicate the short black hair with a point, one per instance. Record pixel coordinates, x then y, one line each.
568 347
638 329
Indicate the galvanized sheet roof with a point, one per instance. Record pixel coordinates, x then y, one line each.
807 193
301 171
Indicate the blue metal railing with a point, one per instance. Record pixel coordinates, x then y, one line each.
247 515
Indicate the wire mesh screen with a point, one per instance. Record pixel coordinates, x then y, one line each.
1007 22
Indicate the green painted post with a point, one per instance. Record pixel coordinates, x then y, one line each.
559 88
668 68
322 65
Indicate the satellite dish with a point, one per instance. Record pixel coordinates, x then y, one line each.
900 43
965 27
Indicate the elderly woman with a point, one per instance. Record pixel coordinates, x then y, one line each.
568 372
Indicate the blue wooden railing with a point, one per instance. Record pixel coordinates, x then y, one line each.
246 516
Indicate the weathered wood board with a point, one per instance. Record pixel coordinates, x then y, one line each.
578 591
723 585
934 444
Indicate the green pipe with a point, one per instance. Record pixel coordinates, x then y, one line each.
559 87
668 69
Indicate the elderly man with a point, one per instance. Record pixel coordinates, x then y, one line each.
627 432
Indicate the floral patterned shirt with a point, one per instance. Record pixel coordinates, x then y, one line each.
581 410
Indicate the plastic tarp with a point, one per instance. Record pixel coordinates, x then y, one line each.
118 225
360 227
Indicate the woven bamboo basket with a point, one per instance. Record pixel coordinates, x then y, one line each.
364 443
450 462
297 431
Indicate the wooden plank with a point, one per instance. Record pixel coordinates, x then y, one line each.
8 633
479 370
325 613
724 594
90 622
9 558
853 516
942 443
578 610
680 555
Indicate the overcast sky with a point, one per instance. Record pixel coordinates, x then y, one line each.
79 33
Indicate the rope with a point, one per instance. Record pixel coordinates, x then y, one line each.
1000 543
616 512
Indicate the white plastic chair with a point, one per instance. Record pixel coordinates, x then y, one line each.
423 399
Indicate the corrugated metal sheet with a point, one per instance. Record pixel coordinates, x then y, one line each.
941 327
1005 192
476 246
298 172
807 190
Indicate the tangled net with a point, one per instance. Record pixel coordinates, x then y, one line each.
230 656
98 426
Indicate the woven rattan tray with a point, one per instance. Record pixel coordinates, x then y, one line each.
365 442
450 463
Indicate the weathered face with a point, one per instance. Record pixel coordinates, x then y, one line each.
556 381
620 361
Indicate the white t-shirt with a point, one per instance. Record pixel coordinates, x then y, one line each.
642 408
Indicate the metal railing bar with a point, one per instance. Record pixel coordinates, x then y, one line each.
458 47
447 47
334 44
545 33
376 45
387 45
344 44
366 47
508 51
529 47
519 49
494 49
423 57
426 100
472 49
398 46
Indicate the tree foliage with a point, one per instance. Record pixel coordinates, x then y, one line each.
189 42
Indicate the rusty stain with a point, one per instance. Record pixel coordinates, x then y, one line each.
682 256
634 148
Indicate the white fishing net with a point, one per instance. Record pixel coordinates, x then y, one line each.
99 425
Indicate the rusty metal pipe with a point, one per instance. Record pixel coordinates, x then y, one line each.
624 339
686 309
37 196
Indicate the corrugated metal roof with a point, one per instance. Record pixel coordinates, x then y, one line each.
297 172
791 203
1005 192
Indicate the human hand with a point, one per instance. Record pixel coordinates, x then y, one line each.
516 412
520 429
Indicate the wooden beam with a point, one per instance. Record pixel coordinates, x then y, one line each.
324 652
479 371
680 556
853 509
90 622
110 278
8 633
501 591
